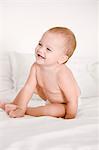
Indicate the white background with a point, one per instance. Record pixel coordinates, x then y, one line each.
22 23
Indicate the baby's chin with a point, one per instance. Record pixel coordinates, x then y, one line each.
40 62
46 63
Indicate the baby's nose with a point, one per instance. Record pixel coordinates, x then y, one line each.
41 50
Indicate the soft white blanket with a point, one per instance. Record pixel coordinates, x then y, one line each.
48 133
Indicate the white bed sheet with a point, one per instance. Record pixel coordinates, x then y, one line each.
49 133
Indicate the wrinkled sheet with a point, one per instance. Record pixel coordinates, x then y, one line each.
49 133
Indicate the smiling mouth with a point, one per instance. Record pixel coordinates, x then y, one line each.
40 56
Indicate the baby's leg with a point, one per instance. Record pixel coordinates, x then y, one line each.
53 109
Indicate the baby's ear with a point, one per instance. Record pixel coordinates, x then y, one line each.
63 59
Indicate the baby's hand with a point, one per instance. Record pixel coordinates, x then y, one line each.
10 107
2 105
18 112
12 110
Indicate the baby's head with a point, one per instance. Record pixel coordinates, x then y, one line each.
56 46
68 37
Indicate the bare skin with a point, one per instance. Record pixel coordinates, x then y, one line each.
51 80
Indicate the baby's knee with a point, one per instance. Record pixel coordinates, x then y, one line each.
57 110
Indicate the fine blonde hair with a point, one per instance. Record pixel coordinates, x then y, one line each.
69 36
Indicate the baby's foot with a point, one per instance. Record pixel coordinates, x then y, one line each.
10 107
17 113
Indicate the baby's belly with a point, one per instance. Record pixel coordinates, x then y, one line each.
53 97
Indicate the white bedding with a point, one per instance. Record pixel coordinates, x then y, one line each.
48 133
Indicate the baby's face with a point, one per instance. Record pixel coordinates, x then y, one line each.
50 49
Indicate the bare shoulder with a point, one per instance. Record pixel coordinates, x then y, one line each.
33 68
32 72
66 79
65 72
31 80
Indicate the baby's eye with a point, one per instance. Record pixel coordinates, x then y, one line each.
49 49
39 44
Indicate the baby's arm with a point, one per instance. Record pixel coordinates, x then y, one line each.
68 86
24 95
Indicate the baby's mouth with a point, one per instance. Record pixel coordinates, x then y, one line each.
40 56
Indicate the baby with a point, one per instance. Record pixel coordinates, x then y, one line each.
49 78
